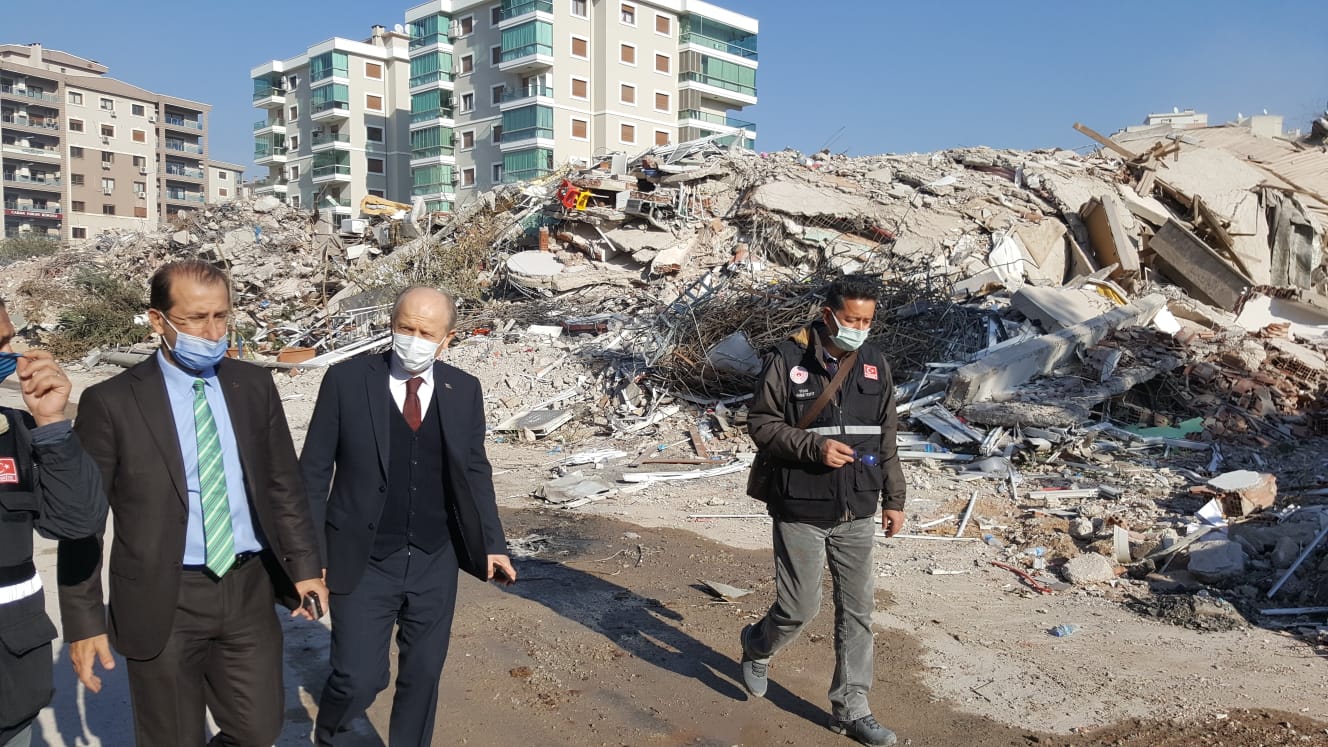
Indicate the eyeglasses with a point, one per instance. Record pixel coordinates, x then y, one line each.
199 321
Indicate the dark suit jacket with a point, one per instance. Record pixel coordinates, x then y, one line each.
349 434
125 423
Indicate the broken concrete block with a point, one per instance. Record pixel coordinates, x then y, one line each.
1218 562
1244 492
1147 208
266 204
1045 244
1081 528
1105 219
1190 263
1089 568
1058 308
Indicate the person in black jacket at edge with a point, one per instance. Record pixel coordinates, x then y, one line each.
47 483
823 484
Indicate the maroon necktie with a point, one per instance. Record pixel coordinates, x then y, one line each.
412 407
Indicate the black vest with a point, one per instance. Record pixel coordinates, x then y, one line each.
814 492
415 510
18 501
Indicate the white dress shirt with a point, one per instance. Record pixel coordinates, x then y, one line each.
396 383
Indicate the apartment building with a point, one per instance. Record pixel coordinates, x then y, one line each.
507 91
337 124
81 152
225 181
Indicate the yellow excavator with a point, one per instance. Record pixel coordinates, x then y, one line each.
371 205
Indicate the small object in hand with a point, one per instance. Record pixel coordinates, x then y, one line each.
313 605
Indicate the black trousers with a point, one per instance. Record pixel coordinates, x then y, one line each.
416 592
224 652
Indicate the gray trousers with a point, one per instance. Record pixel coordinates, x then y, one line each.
801 552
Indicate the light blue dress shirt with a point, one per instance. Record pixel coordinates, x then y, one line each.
180 392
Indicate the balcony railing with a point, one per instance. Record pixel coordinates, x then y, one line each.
441 188
32 208
263 92
727 85
30 94
433 151
529 6
434 77
269 181
528 133
176 170
428 41
48 181
268 151
719 44
263 124
185 196
324 138
712 118
425 116
527 92
331 170
527 50
48 152
192 124
38 122
523 175
330 105
183 147
328 73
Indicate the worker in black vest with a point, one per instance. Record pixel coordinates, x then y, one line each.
823 420
47 483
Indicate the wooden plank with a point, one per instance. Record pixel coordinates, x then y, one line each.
697 443
1105 142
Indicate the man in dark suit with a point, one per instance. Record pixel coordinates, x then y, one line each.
211 526
411 503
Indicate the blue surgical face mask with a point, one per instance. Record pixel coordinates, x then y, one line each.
847 338
8 364
195 353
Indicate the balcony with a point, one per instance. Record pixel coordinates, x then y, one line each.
436 79
524 175
270 127
433 155
175 169
26 151
176 145
331 111
180 196
527 58
27 93
268 154
178 122
270 185
32 123
322 141
336 173
269 97
524 10
15 210
714 121
44 183
526 96
432 118
430 40
525 138
446 190
736 48
718 89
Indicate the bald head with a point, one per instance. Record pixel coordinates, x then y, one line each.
424 312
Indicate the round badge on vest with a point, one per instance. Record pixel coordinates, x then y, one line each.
798 375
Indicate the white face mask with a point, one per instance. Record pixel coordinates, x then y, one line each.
415 353
848 338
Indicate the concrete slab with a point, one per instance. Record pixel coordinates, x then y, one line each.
810 200
1225 182
1307 321
1045 244
1190 263
1105 219
1058 308
1146 208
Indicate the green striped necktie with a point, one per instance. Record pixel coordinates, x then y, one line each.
218 540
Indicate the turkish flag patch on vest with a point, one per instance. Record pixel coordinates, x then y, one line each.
869 372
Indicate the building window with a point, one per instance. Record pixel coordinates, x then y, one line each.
107 105
580 88
663 25
79 206
580 48
140 162
496 94
579 9
221 192
140 188
661 101
495 15
75 125
627 94
294 143
373 103
75 151
663 63
627 14
222 176
107 186
108 210
375 165
467 25
139 136
75 98
292 82
497 133
497 173
107 158
467 64
373 134
79 232
627 133
580 129
467 102
293 114
295 201
76 180
373 71
468 177
627 54
142 212
377 193
108 130
294 172
137 110
662 137
495 55
467 139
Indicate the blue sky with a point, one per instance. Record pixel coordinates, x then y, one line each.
895 76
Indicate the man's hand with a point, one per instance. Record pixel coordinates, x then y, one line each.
836 454
85 653
892 521
314 586
501 570
45 387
